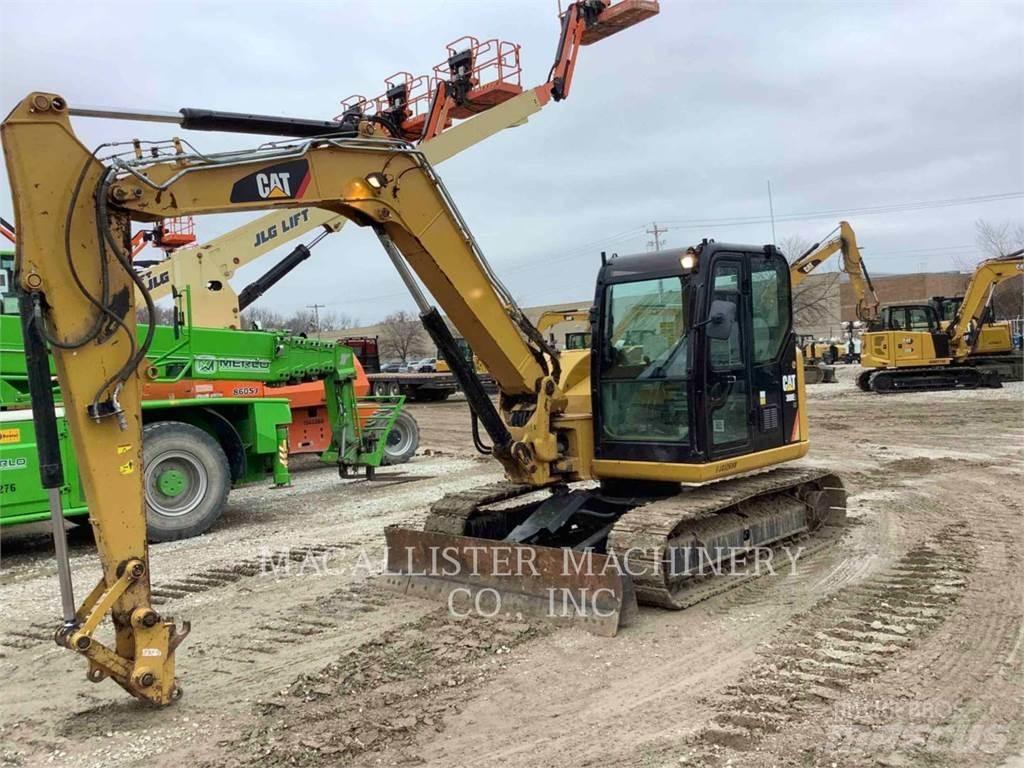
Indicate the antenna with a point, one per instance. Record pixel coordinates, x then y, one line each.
771 211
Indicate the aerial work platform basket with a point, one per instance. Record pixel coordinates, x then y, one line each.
479 75
617 17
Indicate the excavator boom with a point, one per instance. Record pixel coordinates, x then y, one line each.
80 286
963 330
844 242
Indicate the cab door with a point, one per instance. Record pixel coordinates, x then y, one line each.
773 377
727 372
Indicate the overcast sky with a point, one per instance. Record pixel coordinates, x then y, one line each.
681 120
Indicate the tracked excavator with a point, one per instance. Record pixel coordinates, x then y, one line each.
610 453
844 242
573 339
910 347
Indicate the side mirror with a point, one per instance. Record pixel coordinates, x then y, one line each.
720 320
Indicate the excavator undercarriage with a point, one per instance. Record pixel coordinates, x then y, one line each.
589 556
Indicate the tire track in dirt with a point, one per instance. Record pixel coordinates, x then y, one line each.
946 695
375 700
965 681
848 637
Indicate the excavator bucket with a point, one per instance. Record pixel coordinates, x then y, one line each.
618 17
484 577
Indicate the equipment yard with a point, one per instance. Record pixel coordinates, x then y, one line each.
898 644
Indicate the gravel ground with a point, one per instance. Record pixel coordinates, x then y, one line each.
898 645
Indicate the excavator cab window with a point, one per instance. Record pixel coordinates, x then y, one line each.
577 340
726 379
644 385
916 317
920 319
667 385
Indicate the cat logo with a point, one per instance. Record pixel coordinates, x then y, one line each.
273 185
282 181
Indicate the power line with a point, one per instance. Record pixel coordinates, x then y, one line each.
919 205
316 317
588 247
655 232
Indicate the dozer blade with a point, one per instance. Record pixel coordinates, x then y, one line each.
484 577
813 374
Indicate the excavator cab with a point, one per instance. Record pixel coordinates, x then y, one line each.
693 356
917 319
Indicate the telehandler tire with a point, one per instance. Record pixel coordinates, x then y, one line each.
186 480
403 440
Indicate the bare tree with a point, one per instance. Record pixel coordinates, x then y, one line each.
302 321
337 321
263 318
815 299
402 336
164 315
995 240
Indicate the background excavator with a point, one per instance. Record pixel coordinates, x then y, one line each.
573 339
78 286
912 346
816 368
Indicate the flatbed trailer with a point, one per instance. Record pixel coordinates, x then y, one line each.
423 387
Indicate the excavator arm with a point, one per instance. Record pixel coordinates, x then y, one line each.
73 213
963 331
844 242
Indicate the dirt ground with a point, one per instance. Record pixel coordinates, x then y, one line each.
899 645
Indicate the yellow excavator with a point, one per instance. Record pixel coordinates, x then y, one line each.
573 339
911 346
692 376
852 264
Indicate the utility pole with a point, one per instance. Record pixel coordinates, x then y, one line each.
655 232
316 316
